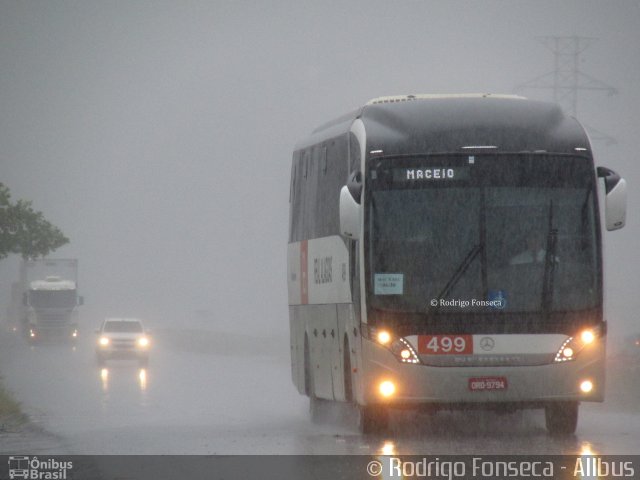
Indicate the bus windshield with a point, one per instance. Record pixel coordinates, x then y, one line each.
482 233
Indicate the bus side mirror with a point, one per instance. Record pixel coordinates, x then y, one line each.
81 300
615 206
349 214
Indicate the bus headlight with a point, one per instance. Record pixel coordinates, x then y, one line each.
587 337
400 347
572 346
104 341
404 351
383 337
143 342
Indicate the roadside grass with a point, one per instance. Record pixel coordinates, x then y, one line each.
10 411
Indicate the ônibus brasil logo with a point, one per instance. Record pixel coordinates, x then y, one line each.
31 468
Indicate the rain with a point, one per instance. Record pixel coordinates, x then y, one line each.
158 136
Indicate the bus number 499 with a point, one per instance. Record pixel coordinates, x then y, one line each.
445 344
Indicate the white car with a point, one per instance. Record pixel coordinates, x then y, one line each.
122 338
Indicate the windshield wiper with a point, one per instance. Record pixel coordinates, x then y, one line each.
460 271
549 265
470 257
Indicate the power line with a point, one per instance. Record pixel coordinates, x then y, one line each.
566 79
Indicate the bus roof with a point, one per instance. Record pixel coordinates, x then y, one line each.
438 96
439 123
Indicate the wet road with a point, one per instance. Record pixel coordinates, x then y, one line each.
233 395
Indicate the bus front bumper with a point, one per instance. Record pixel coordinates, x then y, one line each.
532 386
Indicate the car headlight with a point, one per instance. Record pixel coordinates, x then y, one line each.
143 342
104 341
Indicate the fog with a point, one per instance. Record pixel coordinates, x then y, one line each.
158 135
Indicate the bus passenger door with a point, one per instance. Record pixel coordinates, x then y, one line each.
348 322
321 324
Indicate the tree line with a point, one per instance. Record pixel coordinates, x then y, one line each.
25 231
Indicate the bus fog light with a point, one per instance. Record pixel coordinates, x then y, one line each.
387 388
586 386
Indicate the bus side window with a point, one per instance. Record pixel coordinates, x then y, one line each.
354 275
292 186
354 153
323 160
305 164
298 198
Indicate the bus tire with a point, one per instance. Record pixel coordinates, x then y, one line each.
319 410
315 404
348 374
308 373
372 419
561 418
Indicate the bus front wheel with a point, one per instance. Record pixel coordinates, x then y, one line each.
373 419
561 417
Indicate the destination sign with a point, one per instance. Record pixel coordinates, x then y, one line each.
430 174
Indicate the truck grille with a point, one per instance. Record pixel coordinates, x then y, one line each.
54 320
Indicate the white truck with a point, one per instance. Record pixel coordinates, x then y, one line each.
50 298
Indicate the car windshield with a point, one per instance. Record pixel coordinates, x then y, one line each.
123 327
482 234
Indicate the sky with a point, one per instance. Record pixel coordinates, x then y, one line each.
158 135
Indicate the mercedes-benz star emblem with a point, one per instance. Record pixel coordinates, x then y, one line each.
487 343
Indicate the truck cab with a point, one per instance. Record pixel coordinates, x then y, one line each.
52 308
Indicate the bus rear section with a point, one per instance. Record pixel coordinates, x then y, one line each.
472 227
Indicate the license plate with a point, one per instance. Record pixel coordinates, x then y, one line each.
445 344
481 384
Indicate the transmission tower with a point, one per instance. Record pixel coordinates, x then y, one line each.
566 79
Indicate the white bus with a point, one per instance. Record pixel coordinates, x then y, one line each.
445 252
